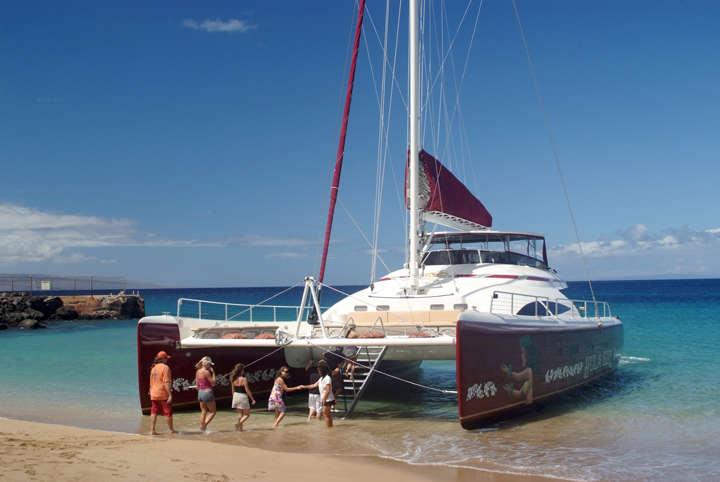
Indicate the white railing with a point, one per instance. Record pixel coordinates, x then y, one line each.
505 303
212 310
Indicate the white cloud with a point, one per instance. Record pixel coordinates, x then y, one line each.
81 258
233 25
638 239
29 235
640 253
255 240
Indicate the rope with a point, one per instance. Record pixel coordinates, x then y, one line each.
449 392
250 308
271 353
557 161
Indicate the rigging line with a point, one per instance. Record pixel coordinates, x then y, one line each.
384 149
557 161
377 36
271 353
380 167
362 233
332 154
217 322
458 88
367 367
445 55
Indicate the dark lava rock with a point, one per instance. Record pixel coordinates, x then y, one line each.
31 324
53 303
65 313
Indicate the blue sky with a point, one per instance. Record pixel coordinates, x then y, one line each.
189 143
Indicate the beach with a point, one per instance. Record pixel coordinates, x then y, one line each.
35 451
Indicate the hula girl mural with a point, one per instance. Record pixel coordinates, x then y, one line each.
524 378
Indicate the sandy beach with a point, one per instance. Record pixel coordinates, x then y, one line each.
35 451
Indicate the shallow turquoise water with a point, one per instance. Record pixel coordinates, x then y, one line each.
656 420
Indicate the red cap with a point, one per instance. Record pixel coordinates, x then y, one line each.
162 354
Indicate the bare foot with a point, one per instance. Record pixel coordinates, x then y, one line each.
172 432
237 427
154 433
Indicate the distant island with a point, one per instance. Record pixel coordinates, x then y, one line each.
32 312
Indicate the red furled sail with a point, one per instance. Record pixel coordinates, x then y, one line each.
445 200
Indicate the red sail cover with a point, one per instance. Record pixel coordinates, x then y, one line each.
441 193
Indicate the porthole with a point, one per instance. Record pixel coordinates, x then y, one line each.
361 308
437 307
460 306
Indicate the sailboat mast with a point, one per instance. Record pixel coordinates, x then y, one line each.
414 155
341 145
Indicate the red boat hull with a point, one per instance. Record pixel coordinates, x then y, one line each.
155 337
505 370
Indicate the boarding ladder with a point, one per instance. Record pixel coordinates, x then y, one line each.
368 358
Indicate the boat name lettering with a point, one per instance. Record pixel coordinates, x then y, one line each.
598 360
563 372
480 390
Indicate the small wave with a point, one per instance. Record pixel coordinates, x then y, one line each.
633 359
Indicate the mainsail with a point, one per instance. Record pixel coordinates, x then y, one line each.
443 199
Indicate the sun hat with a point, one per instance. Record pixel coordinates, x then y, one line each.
162 354
206 360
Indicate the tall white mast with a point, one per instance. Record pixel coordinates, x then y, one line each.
414 60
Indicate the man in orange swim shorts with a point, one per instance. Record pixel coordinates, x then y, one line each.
161 392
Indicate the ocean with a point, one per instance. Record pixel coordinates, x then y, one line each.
657 419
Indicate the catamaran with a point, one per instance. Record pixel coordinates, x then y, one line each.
487 299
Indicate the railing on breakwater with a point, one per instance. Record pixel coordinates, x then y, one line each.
62 285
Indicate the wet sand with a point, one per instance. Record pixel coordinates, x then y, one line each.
36 451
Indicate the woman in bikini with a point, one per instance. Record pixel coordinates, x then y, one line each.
204 381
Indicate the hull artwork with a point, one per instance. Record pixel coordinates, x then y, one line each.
506 370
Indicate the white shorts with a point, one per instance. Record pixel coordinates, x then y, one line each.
241 401
315 401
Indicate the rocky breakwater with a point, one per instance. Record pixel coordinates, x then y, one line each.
21 310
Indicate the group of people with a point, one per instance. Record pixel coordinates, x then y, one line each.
161 392
323 378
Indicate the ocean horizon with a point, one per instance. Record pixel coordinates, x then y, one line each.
655 419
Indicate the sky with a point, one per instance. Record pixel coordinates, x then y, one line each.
189 143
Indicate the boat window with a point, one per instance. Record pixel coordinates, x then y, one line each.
538 308
437 258
437 307
573 350
490 247
452 256
559 352
589 348
460 306
383 307
361 308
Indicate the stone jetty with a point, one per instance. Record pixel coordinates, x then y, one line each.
21 310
